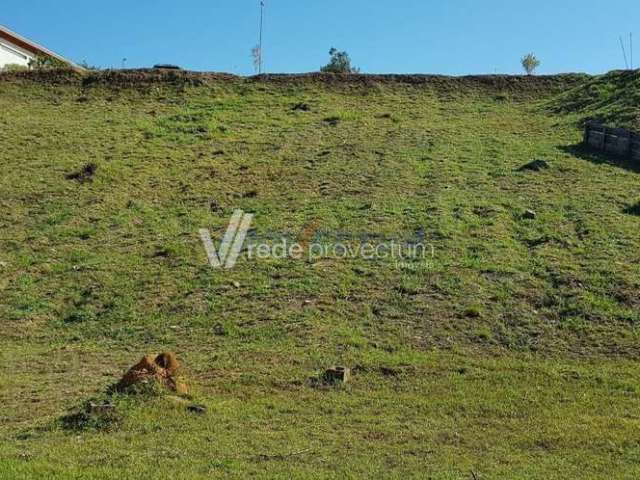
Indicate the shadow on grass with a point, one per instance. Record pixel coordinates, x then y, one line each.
599 158
633 210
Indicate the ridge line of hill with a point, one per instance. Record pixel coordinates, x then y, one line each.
119 77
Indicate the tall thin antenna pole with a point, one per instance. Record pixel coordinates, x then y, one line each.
631 47
624 53
260 40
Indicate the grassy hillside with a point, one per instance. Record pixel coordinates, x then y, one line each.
511 353
612 99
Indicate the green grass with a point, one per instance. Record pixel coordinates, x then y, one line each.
512 353
612 98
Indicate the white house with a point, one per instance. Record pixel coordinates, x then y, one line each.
18 50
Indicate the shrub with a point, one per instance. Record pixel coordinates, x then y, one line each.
530 63
14 67
84 64
46 63
340 62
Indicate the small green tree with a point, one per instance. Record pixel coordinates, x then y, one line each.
530 63
340 62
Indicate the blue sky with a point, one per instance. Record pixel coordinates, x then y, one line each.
382 36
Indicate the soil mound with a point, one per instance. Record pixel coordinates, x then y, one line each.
162 369
534 166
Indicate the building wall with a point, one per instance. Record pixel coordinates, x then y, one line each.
11 54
